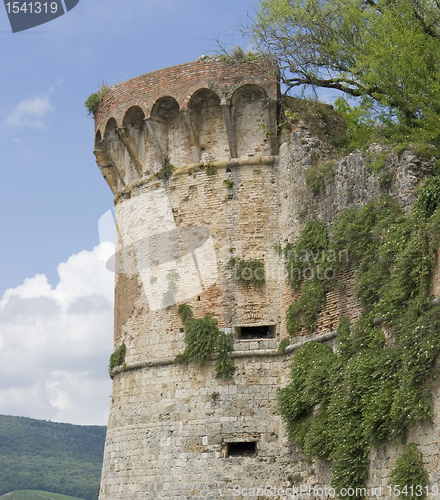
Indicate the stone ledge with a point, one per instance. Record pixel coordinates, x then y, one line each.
234 354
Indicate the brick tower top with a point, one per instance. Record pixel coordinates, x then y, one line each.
194 112
182 83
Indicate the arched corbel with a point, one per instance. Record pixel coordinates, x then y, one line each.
192 131
104 157
130 146
151 130
230 126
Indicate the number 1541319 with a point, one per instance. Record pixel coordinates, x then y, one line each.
31 7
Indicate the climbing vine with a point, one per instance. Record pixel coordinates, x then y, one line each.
203 339
409 476
304 311
369 389
305 259
249 273
429 197
283 345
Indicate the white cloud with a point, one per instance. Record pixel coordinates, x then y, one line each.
56 342
30 113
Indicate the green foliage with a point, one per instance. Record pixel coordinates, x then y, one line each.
307 257
166 171
429 197
290 115
360 123
283 345
185 311
94 99
409 475
228 183
316 175
304 311
224 365
118 357
340 404
50 456
201 338
398 99
204 339
379 162
249 273
215 396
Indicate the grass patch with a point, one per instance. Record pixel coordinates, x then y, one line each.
384 181
166 171
238 55
94 100
117 358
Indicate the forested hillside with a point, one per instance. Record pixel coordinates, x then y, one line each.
34 495
50 456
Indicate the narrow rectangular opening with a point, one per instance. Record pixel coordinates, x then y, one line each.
256 332
242 449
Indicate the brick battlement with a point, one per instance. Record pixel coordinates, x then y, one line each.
181 82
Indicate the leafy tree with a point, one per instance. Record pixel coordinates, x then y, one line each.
384 53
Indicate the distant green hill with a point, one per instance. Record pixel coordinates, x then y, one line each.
35 495
49 456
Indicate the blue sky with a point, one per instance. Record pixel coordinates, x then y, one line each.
56 296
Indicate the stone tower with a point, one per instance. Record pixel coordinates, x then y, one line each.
191 155
175 431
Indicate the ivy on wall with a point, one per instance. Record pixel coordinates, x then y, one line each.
410 478
203 339
370 389
249 273
304 312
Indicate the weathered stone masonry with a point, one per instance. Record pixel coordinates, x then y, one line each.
172 428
